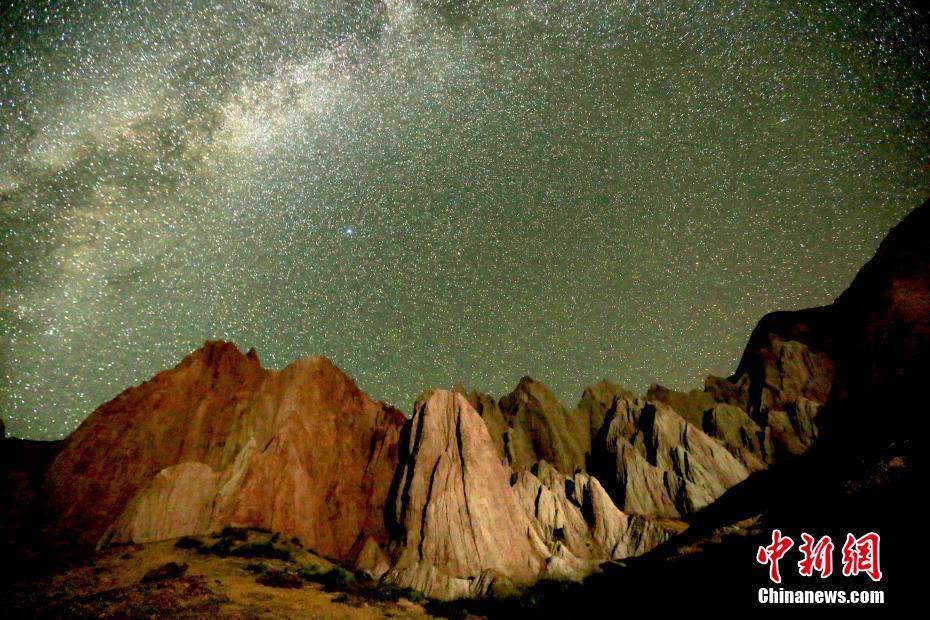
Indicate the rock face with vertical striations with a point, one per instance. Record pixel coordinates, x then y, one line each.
530 425
781 384
469 497
653 462
431 503
451 511
769 408
730 425
543 428
579 522
217 441
463 523
512 444
593 408
775 373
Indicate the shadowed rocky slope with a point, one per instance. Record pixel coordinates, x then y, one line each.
22 464
865 471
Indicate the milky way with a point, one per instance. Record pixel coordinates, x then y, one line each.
438 192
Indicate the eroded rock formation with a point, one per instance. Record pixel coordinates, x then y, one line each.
655 463
769 408
474 495
218 440
462 522
530 425
452 513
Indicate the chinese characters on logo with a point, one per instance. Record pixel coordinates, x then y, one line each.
772 554
817 557
859 555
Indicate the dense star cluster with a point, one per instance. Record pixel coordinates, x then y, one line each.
436 192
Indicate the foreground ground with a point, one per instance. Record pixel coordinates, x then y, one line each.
237 575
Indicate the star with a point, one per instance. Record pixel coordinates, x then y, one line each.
437 192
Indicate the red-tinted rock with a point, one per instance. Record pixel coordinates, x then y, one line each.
217 441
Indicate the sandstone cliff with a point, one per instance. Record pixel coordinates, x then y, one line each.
472 496
451 502
653 462
218 440
452 513
463 523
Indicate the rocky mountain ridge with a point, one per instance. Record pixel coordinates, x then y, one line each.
218 440
472 495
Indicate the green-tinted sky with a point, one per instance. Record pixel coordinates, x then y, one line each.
435 192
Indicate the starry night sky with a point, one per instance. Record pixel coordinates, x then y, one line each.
435 192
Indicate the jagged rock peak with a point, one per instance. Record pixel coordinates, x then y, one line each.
529 387
542 429
595 402
224 355
459 515
606 389
218 352
653 462
689 405
451 512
